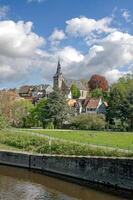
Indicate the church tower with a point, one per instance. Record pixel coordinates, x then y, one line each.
58 77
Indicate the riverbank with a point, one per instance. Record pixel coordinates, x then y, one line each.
108 174
47 142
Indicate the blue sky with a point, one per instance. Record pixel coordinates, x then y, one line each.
90 36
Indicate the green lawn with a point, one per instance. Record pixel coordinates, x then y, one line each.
123 140
67 142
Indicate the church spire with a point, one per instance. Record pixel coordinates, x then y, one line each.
58 77
58 72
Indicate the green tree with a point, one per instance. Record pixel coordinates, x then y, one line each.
56 109
120 102
20 111
3 122
97 93
75 92
126 109
40 114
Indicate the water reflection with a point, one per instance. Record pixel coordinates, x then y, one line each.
21 184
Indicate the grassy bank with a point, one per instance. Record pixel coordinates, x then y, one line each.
26 141
122 140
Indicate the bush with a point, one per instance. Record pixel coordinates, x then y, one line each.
50 125
3 122
89 121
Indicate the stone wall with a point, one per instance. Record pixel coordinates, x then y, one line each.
15 159
111 172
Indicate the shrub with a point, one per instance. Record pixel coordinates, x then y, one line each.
89 121
50 125
3 122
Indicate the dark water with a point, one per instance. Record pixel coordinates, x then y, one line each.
21 184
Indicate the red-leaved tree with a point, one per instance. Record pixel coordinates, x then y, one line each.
97 81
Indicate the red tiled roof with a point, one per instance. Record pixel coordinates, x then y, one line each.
91 103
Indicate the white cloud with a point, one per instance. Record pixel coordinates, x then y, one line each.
70 54
114 75
57 36
4 11
69 57
111 57
18 49
112 54
126 15
17 39
84 26
21 52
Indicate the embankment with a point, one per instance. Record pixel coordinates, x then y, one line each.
108 174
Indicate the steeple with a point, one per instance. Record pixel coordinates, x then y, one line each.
58 77
58 72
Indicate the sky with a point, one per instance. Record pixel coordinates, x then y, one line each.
89 36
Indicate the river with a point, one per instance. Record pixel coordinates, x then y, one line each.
21 184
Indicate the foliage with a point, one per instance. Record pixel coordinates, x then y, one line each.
120 103
89 121
57 108
96 93
97 81
3 122
20 111
7 98
40 113
53 111
126 109
75 92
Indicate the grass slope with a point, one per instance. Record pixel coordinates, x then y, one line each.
122 140
35 141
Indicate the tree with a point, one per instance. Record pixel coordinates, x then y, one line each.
7 98
97 81
75 91
3 122
120 103
56 109
20 111
96 93
126 109
40 113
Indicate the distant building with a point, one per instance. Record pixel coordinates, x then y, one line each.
65 84
94 105
35 92
25 91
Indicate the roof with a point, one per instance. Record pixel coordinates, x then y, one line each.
91 103
24 89
78 83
